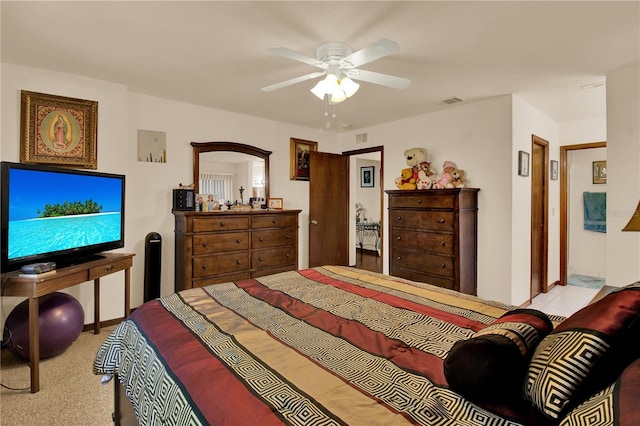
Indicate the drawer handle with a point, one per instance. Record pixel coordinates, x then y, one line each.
441 220
109 268
238 262
204 266
238 241
398 238
205 244
261 239
274 221
260 259
442 265
288 237
398 258
222 224
442 243
399 218
419 201
287 255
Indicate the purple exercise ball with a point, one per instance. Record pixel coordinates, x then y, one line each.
61 319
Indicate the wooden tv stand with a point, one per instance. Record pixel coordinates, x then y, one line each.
33 288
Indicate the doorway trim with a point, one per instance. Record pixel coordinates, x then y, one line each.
564 202
544 199
379 149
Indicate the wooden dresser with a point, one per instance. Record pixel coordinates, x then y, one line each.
433 237
217 247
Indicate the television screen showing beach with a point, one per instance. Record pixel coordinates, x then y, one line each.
71 211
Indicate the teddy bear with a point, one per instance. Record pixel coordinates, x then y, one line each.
406 180
424 180
445 178
415 156
458 178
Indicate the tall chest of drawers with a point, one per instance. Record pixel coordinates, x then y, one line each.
217 247
433 237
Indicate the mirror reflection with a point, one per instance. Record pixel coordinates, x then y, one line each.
232 178
230 174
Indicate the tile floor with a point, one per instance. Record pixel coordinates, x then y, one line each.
565 300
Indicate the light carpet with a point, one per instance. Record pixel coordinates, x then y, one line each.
70 394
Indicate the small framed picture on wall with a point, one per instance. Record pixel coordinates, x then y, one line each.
367 177
554 170
523 163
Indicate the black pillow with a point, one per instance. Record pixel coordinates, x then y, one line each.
491 366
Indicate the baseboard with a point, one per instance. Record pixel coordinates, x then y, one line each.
107 323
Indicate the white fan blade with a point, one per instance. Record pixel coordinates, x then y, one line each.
288 53
293 81
379 78
370 53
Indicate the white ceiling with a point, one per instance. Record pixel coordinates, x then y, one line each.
214 53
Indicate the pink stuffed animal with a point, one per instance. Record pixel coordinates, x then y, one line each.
445 179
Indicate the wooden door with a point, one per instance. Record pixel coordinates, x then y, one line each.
539 216
328 209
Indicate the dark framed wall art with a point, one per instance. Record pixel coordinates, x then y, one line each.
299 158
367 179
58 130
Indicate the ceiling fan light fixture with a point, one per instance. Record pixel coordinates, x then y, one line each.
319 90
349 86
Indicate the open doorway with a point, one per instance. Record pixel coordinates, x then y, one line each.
366 206
579 247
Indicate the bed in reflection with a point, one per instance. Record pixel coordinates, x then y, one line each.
338 345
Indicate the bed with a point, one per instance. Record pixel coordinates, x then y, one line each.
338 345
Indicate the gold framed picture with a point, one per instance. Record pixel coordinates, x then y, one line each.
58 130
600 172
299 158
275 204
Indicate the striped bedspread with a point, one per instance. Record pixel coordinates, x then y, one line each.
322 346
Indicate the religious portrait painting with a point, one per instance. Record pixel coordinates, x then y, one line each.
58 130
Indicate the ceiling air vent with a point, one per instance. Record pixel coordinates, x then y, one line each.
452 100
361 138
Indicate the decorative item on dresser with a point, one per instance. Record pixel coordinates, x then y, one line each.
433 235
216 247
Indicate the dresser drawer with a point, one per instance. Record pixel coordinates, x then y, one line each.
272 257
422 241
223 242
419 201
427 220
422 277
273 238
429 263
220 264
100 271
210 224
274 221
219 279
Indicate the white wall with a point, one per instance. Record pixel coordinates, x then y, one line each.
483 138
149 185
623 174
587 249
528 121
477 137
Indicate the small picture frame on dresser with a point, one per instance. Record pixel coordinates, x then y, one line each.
275 204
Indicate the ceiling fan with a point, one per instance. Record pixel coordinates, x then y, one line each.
340 65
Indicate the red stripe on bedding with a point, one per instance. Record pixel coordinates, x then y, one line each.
394 301
174 343
374 342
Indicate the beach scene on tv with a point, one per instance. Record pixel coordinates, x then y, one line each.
50 212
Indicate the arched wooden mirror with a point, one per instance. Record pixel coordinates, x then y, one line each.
248 165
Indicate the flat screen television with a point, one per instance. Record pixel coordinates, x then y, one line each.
55 214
